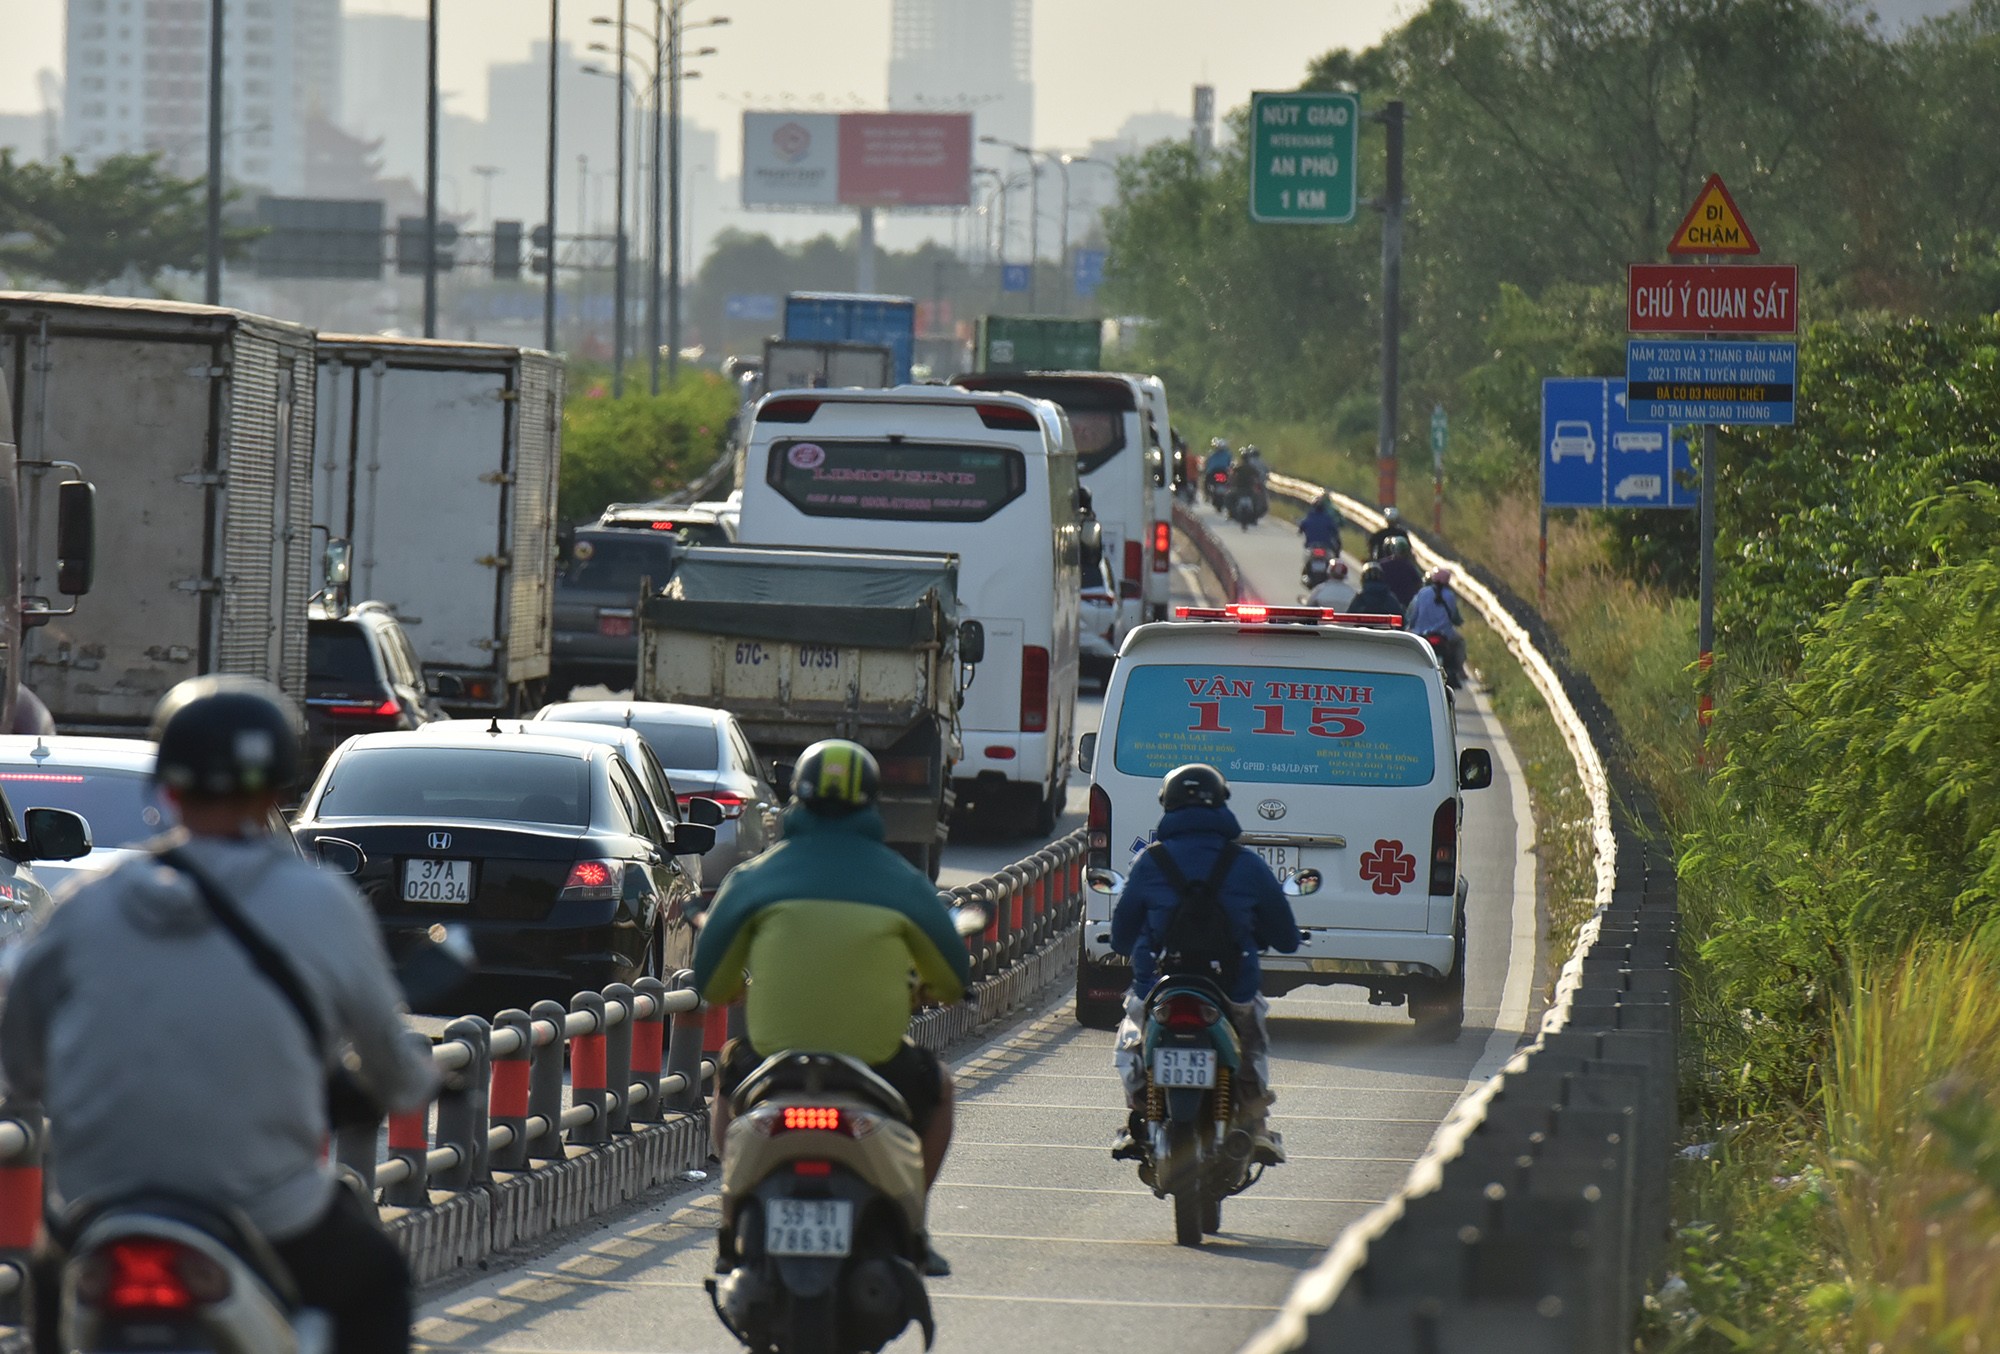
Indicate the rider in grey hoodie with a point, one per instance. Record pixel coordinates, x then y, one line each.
166 1060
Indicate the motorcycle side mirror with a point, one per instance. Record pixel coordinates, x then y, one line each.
1475 769
1103 879
1086 752
338 857
781 779
706 812
971 642
693 839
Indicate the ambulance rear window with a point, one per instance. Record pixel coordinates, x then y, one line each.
1278 725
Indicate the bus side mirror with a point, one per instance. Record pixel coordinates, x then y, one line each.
76 536
971 642
1090 541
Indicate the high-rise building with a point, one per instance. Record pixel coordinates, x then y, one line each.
971 56
138 81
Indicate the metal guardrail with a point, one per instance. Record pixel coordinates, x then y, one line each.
1534 1220
634 1055
1213 553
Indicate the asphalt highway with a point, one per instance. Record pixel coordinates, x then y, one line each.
1055 1246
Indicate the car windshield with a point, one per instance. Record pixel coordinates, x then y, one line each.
497 784
688 533
338 660
679 746
607 563
122 807
1291 726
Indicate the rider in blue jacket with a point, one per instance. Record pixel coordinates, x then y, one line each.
1321 525
1195 829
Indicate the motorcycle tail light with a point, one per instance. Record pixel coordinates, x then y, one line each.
821 1118
149 1274
1190 1013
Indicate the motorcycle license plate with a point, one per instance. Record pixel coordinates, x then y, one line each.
809 1227
1178 1067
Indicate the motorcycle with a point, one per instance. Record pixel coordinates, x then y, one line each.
1199 1154
159 1271
1245 510
1319 563
1218 490
1440 643
823 1243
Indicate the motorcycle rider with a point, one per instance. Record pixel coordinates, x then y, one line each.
1195 829
1337 592
1219 457
1434 610
170 1060
1246 481
1374 599
1321 525
829 924
1392 525
1400 571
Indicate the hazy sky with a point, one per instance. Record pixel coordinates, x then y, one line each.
1096 61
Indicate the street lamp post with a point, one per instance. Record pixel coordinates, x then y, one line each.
431 177
677 30
1034 212
212 277
549 187
618 263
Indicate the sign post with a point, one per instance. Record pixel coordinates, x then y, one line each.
1439 431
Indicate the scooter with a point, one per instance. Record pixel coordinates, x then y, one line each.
1200 1154
1218 490
159 1271
1440 643
1319 561
1245 510
822 1244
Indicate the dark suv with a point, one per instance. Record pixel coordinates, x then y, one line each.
362 676
597 601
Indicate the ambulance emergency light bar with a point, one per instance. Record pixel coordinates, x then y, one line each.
1258 613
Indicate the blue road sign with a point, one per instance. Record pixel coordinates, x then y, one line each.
1088 271
750 306
1688 381
1595 455
1013 277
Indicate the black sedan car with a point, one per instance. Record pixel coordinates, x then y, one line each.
547 850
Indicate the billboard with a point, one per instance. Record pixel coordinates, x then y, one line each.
857 159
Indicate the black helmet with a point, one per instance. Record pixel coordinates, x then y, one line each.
836 777
224 736
1371 572
1397 545
1197 783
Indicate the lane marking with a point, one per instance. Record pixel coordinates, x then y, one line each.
1100 1147
1283 1116
1515 993
1148 1194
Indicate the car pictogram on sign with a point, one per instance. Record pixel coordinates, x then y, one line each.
1573 438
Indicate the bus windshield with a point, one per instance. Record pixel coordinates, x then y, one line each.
897 481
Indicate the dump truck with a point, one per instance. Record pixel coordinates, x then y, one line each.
802 644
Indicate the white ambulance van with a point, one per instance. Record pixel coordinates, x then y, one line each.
1339 744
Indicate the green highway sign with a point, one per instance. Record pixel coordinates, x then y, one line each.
1438 427
1302 158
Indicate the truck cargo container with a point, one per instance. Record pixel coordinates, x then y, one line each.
846 317
1037 343
197 420
437 462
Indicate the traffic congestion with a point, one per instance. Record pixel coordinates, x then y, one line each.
735 735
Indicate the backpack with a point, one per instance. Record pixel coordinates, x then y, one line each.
1199 933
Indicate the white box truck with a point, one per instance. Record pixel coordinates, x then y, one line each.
436 462
196 424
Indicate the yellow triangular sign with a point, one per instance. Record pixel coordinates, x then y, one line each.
1713 225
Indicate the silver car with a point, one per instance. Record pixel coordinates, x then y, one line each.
107 780
707 756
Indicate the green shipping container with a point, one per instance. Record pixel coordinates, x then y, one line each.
1039 343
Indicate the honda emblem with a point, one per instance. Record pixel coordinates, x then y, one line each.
1271 810
440 841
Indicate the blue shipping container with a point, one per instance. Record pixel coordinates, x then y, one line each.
891 321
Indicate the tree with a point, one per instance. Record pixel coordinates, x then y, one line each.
83 228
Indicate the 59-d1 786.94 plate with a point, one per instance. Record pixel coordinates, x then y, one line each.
437 881
809 1227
